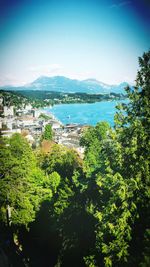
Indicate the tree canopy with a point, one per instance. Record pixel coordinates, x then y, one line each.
48 133
22 182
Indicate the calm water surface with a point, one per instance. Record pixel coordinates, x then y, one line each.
85 113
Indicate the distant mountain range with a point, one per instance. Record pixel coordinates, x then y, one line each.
64 84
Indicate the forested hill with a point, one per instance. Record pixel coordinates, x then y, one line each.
57 210
40 98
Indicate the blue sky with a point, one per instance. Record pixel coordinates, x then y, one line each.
75 38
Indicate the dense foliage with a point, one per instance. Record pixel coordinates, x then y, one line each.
48 133
12 99
23 185
95 212
46 98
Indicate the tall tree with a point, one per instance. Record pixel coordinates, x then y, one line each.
118 190
23 185
132 129
48 133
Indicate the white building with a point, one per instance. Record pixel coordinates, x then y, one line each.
9 123
29 138
9 133
0 124
8 111
55 125
36 113
28 107
1 100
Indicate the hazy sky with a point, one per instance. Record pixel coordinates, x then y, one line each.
100 39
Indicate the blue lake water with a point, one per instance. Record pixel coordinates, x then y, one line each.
85 113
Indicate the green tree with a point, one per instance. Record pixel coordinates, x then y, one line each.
48 133
93 139
60 159
23 185
132 127
118 189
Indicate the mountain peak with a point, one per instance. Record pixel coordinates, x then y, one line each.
90 80
67 85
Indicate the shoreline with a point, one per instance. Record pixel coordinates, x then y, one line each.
51 115
85 114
